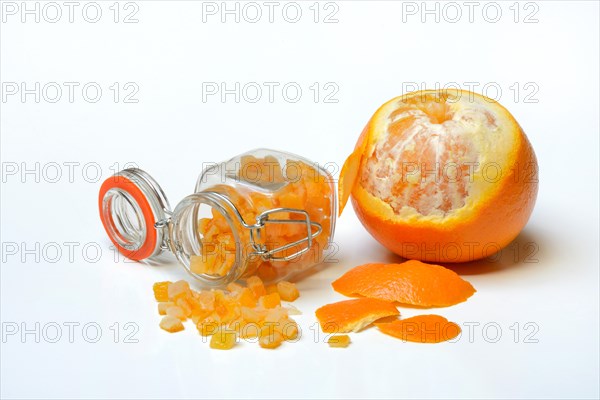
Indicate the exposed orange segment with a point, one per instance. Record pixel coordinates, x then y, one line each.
338 341
353 315
443 176
411 282
421 329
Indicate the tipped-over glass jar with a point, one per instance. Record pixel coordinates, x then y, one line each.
265 213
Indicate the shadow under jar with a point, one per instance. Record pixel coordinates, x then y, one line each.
264 212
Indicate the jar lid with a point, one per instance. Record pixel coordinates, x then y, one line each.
133 209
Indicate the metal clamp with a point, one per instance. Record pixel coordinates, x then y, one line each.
262 219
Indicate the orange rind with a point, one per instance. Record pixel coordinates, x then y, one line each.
353 315
421 329
411 282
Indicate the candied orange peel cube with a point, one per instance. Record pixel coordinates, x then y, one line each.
228 316
271 341
306 188
171 324
255 284
287 291
223 339
161 291
338 341
270 300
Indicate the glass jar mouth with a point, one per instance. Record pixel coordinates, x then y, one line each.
131 204
186 241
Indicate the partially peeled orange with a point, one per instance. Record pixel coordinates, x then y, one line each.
442 176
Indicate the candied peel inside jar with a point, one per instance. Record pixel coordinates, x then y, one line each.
265 185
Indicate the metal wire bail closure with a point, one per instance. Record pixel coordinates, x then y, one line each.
132 208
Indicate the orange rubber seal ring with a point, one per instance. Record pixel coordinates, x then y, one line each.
125 184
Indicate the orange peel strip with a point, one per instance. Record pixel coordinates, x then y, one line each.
429 328
411 282
353 315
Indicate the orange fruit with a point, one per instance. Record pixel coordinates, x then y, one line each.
411 282
421 329
353 315
440 176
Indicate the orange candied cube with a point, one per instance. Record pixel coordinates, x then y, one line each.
271 341
171 324
179 289
201 264
246 298
288 329
161 291
287 291
185 306
206 300
162 307
225 263
275 314
338 341
270 300
223 339
271 289
255 284
176 312
250 315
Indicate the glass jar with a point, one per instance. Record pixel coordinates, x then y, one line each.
265 212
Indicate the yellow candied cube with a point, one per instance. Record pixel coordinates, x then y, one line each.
288 329
161 291
255 284
287 291
271 341
270 300
171 324
185 306
246 298
179 289
338 341
162 307
209 325
223 339
176 312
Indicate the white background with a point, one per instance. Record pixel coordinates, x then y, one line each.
375 51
